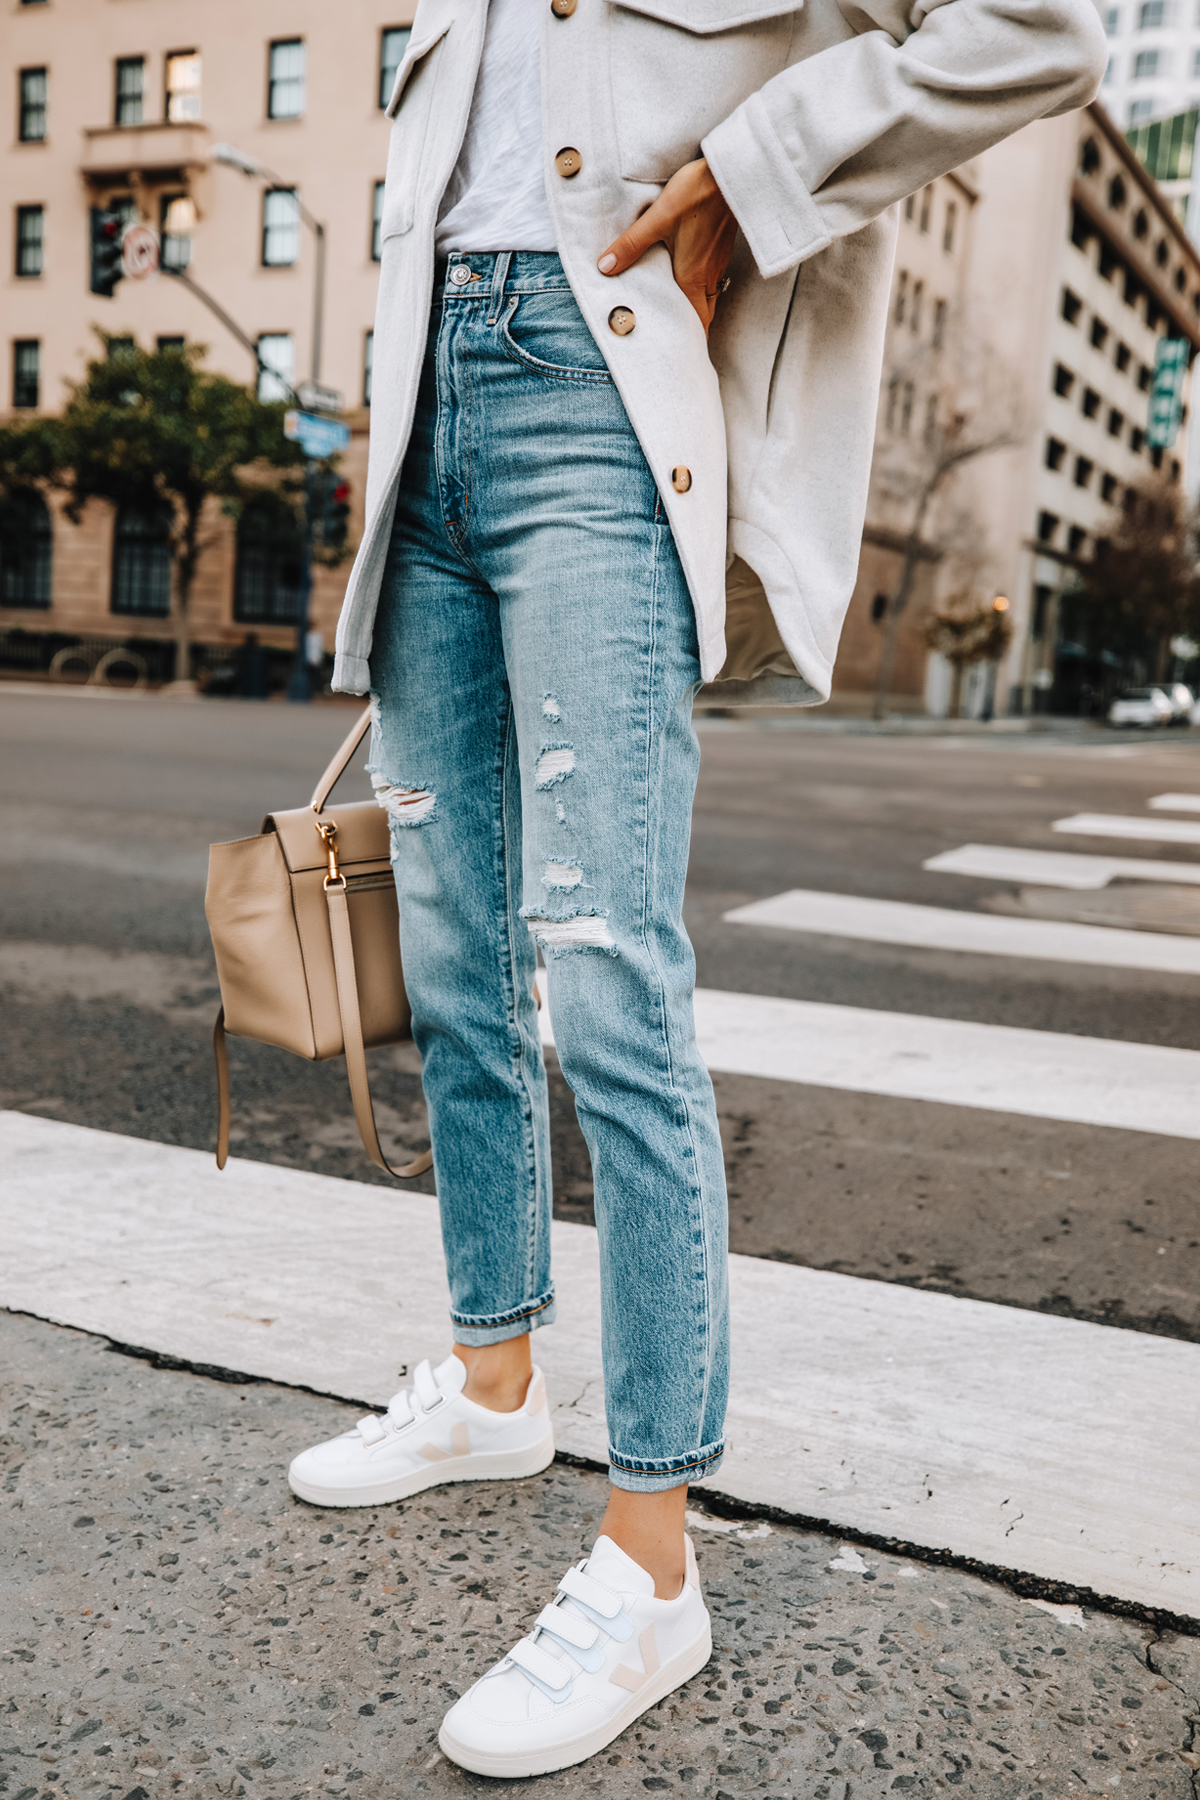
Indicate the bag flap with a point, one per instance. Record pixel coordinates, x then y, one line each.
362 834
709 16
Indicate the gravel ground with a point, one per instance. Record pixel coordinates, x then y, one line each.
175 1622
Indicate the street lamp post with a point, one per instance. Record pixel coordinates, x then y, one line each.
300 685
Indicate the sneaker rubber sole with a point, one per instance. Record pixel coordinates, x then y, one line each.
503 1465
516 1764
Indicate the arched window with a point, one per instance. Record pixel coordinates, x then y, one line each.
270 562
141 574
26 549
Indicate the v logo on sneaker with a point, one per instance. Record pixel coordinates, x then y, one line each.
460 1445
633 1678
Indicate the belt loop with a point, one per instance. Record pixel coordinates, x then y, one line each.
499 277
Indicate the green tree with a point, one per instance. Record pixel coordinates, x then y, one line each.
144 428
1142 586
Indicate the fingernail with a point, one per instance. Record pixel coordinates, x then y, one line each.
607 262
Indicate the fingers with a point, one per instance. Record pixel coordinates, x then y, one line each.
651 228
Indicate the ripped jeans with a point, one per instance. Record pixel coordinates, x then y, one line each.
533 672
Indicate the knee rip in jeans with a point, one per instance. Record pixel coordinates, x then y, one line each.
555 763
560 874
404 806
575 931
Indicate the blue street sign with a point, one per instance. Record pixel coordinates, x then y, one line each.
1171 362
316 436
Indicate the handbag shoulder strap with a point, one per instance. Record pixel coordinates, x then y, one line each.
338 761
352 1035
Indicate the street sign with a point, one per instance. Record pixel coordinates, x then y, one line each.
319 399
1171 362
317 437
139 252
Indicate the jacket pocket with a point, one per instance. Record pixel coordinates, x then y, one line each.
409 110
681 66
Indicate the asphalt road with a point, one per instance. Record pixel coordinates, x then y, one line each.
109 804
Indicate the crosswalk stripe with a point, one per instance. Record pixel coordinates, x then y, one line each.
1118 825
982 1429
1176 803
955 1062
1057 868
986 934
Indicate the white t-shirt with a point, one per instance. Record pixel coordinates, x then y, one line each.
496 197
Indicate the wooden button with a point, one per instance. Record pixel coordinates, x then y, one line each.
562 9
622 320
568 162
681 479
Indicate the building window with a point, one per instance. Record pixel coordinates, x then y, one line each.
377 222
183 86
270 562
281 228
26 550
930 418
1090 403
939 324
1145 379
1099 334
901 296
169 343
1116 422
1072 306
31 124
1137 438
1047 526
141 572
1108 487
1076 539
1122 356
1153 15
879 606
910 204
130 93
285 84
1064 381
27 369
1195 63
368 361
177 215
1055 451
1141 109
1145 65
1112 21
277 352
918 296
392 46
950 226
926 204
906 406
30 236
1117 193
1083 471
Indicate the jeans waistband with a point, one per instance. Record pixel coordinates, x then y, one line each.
497 272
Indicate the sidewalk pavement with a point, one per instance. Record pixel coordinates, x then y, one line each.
177 1623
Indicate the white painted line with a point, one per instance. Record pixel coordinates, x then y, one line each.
999 1068
1026 1441
1175 803
1117 825
981 934
1056 868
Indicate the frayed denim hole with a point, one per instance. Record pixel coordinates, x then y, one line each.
405 806
555 763
561 874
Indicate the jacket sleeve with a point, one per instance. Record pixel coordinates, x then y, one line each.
831 142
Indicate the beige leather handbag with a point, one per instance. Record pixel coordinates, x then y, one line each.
305 928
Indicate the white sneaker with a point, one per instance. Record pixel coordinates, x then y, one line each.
428 1436
601 1653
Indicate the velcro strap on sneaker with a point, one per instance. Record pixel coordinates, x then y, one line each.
371 1430
428 1393
593 1593
563 1621
545 1669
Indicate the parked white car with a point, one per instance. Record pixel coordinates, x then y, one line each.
1147 707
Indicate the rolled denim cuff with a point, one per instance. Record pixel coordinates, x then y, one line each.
641 1475
471 1329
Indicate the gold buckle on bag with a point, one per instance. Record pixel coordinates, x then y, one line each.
327 833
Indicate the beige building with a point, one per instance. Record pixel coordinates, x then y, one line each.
1068 267
120 105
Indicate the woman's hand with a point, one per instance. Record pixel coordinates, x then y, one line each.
691 218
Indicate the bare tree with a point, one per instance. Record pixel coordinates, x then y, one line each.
912 472
966 631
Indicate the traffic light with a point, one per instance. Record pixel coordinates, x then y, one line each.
107 228
335 520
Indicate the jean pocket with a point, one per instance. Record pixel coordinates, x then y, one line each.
547 333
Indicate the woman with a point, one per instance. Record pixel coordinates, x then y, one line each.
581 506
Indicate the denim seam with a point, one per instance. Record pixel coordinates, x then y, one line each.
669 1465
518 1049
486 1321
